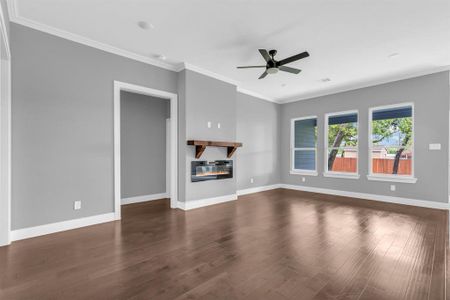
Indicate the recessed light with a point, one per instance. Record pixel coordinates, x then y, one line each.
392 55
145 25
325 79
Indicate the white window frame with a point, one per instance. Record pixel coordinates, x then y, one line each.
293 149
346 175
392 177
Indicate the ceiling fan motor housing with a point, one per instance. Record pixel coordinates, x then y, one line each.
271 64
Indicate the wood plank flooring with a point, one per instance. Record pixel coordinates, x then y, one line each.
278 244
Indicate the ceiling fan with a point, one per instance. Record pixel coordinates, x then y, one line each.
273 66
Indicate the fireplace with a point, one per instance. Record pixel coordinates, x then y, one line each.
214 170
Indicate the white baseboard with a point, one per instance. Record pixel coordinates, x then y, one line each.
382 198
30 232
144 198
206 202
258 189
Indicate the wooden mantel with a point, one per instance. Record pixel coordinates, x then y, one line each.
200 146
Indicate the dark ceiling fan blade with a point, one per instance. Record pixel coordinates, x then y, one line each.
248 67
263 75
293 58
265 54
289 69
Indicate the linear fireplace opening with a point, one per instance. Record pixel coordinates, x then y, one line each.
214 170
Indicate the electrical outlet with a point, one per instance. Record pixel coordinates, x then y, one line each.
392 187
218 125
251 180
77 205
303 179
209 124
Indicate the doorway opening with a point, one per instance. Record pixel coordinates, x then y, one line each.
145 161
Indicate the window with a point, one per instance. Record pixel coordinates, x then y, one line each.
341 142
391 143
303 145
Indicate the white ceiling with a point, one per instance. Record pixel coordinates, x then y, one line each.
349 40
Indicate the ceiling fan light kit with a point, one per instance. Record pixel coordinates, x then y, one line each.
273 66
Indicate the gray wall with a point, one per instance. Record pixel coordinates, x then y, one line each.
62 129
258 128
62 125
143 144
430 95
208 99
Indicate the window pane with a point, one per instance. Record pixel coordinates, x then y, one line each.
343 130
305 132
392 127
305 160
392 160
342 160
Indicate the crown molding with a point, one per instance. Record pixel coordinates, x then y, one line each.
256 95
188 66
16 18
12 8
191 67
4 34
360 85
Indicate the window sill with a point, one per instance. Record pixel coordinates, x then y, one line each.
341 175
402 179
307 173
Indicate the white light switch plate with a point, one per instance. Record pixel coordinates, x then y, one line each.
218 125
252 180
209 124
77 205
435 146
393 188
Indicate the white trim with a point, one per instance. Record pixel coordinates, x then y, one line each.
122 86
5 135
292 148
304 172
360 85
5 37
30 232
391 177
258 189
12 8
90 42
167 155
188 66
256 95
16 18
341 175
382 198
145 198
353 175
206 202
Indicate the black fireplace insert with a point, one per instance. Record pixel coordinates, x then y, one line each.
214 170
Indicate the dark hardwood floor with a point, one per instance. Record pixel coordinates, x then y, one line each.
278 244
